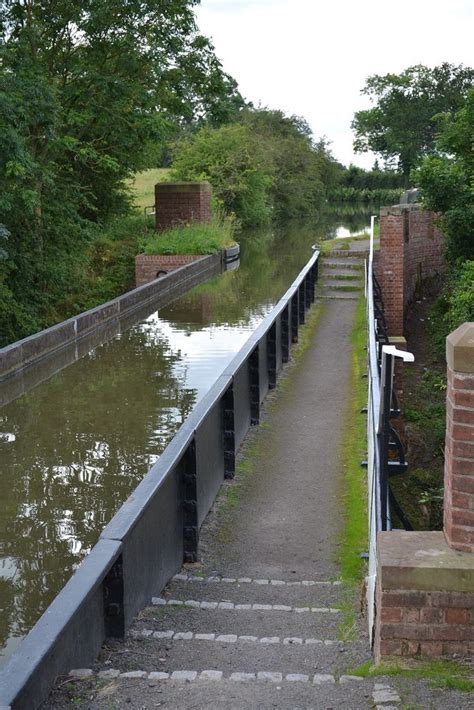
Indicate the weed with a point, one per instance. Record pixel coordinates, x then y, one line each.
440 673
354 534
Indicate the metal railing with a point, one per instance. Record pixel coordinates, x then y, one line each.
157 528
386 456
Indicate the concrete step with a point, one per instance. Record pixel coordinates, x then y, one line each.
343 274
233 655
343 263
337 296
222 691
295 594
320 624
341 285
348 253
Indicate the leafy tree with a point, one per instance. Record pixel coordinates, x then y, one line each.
447 179
235 163
85 90
400 127
262 165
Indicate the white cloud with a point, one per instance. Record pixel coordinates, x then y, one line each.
312 58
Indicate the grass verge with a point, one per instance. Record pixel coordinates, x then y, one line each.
446 674
353 539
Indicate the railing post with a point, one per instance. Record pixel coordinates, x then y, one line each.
285 334
301 302
271 356
190 517
295 308
254 379
114 617
229 432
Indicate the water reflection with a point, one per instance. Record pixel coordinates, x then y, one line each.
75 446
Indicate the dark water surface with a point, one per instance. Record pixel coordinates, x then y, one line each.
73 448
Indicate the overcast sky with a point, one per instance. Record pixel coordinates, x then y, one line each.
312 58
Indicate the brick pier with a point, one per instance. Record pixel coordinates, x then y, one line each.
425 580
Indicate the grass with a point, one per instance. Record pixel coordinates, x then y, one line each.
195 238
354 536
143 186
446 674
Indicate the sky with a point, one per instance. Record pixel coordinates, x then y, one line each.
312 58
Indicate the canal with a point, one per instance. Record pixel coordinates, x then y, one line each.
74 447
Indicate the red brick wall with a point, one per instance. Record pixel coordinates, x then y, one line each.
411 249
422 623
181 203
459 462
148 266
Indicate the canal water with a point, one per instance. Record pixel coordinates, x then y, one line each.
74 447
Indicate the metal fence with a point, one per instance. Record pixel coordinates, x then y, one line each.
157 528
386 456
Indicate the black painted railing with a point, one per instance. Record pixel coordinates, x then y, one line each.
157 528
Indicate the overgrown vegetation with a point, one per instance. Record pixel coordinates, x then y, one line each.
446 674
447 181
378 186
262 166
354 536
195 238
89 95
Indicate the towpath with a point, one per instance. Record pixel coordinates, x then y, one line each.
258 622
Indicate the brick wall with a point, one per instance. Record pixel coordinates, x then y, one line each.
424 597
181 203
422 623
149 267
411 249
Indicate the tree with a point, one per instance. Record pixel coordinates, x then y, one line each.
264 164
235 163
85 89
400 127
447 179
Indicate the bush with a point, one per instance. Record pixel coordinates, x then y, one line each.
233 161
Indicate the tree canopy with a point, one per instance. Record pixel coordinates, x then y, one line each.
400 126
87 92
263 164
447 179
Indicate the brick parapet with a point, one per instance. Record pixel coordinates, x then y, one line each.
149 267
181 203
411 250
424 597
459 448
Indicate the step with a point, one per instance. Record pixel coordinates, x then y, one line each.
348 253
229 655
337 296
341 285
342 273
218 690
320 624
295 594
343 263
